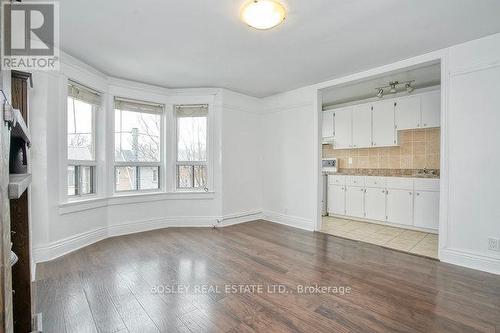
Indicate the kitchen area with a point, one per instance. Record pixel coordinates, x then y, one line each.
381 160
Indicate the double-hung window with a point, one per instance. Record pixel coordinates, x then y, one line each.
82 105
191 163
138 145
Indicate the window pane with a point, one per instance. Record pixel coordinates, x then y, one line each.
71 180
184 176
80 136
86 179
200 176
137 136
149 178
126 178
191 139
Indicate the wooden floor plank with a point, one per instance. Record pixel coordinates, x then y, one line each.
118 285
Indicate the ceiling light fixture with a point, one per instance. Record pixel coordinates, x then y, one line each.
394 86
380 93
263 14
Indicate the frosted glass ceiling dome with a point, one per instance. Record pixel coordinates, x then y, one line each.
263 14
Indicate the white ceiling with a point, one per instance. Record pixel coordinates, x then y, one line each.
425 75
202 43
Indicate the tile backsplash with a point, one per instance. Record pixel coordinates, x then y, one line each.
418 149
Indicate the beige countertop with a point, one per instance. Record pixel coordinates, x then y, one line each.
410 173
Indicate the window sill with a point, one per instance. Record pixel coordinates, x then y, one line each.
128 198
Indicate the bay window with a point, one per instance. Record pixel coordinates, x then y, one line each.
82 104
191 146
138 145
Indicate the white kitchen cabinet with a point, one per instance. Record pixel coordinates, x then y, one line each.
399 207
375 204
407 112
384 132
426 209
336 199
328 126
431 109
343 128
362 126
354 201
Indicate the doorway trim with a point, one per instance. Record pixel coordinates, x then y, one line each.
442 57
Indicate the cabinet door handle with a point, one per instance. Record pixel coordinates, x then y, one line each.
410 193
418 193
362 190
383 191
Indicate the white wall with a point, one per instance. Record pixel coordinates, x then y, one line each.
241 156
288 161
471 184
267 157
60 227
473 154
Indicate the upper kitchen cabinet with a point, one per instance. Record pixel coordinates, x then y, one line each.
328 127
408 112
384 132
362 126
418 111
343 128
431 109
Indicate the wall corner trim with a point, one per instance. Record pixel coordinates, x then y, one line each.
291 221
470 260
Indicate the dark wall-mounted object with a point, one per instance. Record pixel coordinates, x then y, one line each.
19 208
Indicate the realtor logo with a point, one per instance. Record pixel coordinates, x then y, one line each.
30 35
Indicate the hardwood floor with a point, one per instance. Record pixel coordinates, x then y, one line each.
114 285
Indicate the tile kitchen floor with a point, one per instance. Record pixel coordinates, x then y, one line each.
416 242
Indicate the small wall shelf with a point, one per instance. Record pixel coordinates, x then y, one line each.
17 123
18 183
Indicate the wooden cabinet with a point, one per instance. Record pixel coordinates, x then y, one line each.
362 126
375 203
431 109
407 112
354 201
336 199
399 207
384 132
343 128
328 127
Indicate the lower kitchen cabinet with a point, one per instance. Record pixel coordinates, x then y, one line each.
336 199
397 200
354 202
426 209
399 207
375 204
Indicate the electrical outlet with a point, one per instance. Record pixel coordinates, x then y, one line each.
493 244
350 160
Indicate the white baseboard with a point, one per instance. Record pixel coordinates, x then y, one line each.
237 218
153 224
292 221
64 246
470 260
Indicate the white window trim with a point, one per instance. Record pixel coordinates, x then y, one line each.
208 163
96 110
104 144
160 164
